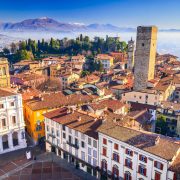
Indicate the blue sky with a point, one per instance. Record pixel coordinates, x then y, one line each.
129 13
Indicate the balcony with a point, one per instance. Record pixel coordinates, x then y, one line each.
76 146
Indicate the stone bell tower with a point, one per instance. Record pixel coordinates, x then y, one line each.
130 63
4 73
144 67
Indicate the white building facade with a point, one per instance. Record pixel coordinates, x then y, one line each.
137 156
120 160
76 147
12 126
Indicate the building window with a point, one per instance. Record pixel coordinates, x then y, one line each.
22 135
158 165
82 144
94 162
4 71
143 158
3 122
127 176
116 157
128 163
94 154
76 141
12 104
38 127
70 139
104 151
89 151
83 155
70 131
82 136
89 159
116 147
142 44
142 170
104 165
129 152
1 106
57 133
104 141
89 141
52 130
95 144
58 142
47 128
64 135
115 171
13 119
63 127
157 176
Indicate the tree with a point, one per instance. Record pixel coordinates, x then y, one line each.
84 73
6 51
22 45
13 48
161 125
23 55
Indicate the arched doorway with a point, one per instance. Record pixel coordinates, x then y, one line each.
15 139
5 142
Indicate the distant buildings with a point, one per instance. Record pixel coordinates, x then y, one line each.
106 60
12 126
4 73
68 78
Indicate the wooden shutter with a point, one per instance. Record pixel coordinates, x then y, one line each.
113 170
104 151
157 176
124 176
145 171
131 164
130 178
131 153
125 162
106 166
155 163
140 157
138 169
145 159
118 158
161 166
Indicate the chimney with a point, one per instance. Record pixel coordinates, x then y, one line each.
114 120
79 118
157 140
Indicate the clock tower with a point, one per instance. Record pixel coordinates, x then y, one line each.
130 63
145 55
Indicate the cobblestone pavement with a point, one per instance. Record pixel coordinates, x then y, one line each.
44 171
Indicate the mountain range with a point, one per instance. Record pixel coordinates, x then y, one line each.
48 24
